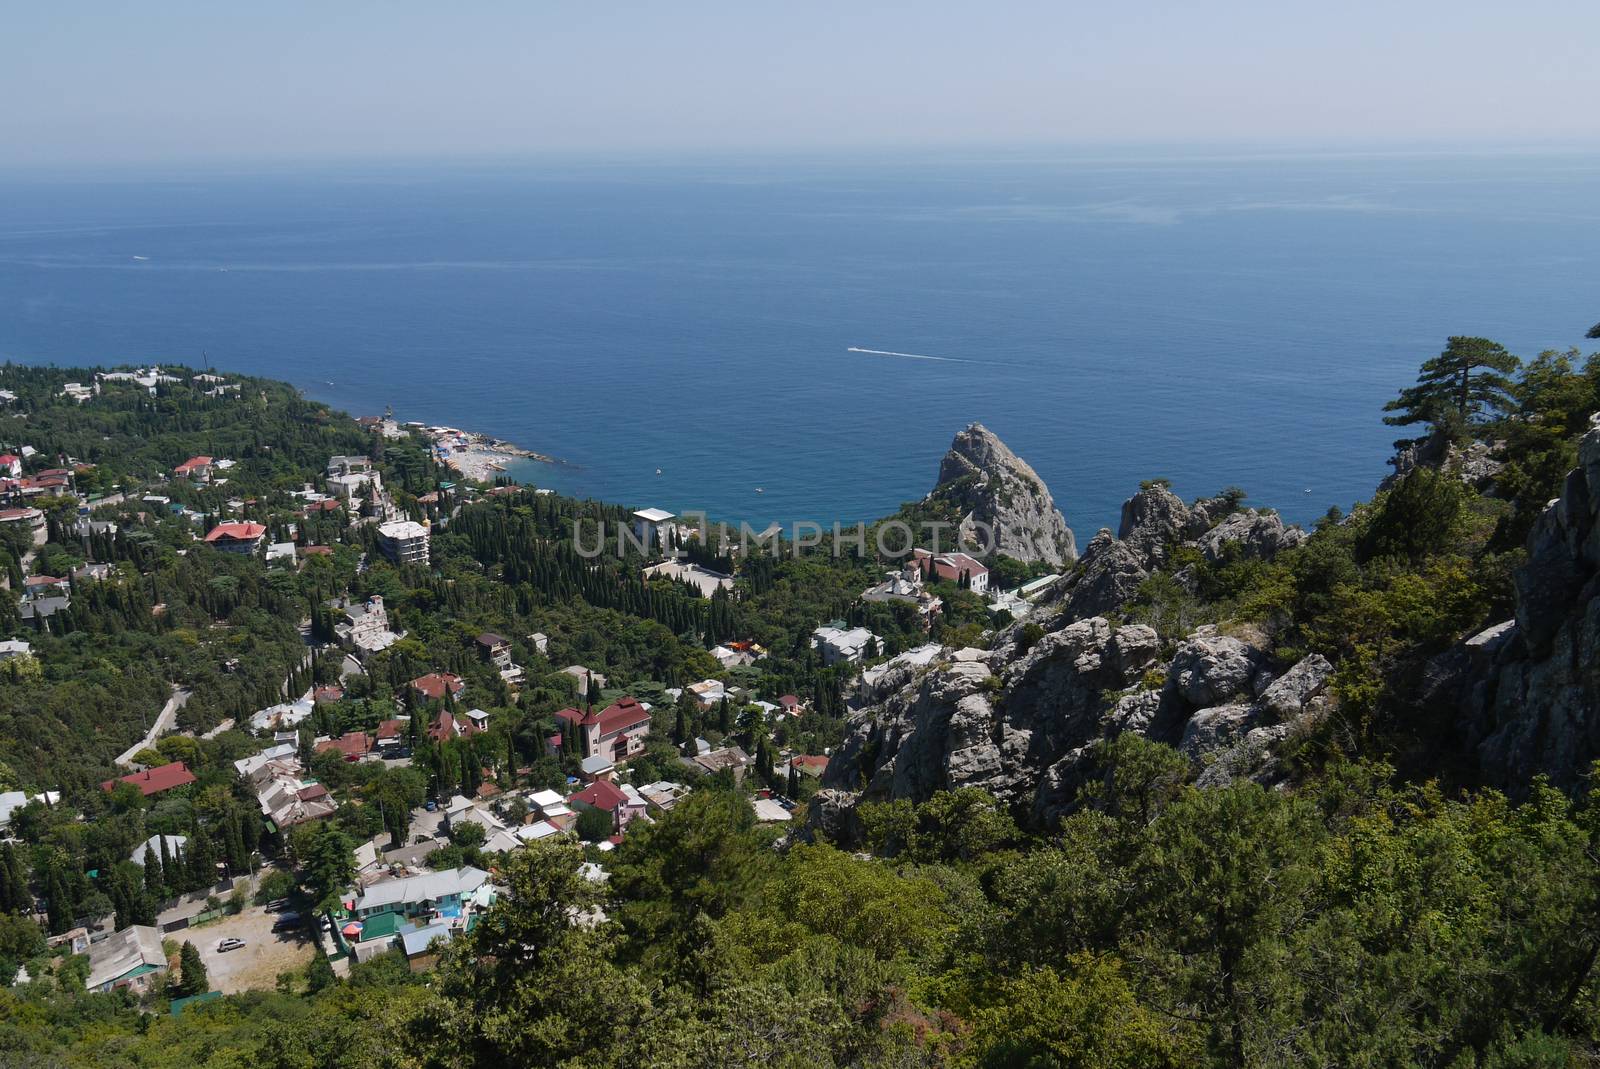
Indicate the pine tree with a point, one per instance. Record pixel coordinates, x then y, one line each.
192 971
1465 383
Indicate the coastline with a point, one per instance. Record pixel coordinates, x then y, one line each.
470 454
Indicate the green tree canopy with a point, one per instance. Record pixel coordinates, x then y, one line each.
1464 383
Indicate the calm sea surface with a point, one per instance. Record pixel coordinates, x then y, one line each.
1214 319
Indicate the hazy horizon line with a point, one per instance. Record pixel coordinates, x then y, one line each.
1087 152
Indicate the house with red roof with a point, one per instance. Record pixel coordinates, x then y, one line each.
237 537
153 781
609 798
446 725
353 745
809 764
960 568
196 468
11 464
434 686
615 733
790 704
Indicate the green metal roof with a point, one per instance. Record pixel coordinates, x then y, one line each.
181 1004
380 925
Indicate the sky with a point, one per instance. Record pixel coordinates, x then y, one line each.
92 83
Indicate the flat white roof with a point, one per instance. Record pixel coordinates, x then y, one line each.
402 529
653 515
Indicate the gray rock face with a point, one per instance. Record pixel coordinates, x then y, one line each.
1292 693
831 815
1112 572
1215 729
1474 463
1529 690
958 726
1026 732
997 489
1153 520
1260 536
1210 668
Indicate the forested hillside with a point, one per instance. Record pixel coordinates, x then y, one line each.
1229 793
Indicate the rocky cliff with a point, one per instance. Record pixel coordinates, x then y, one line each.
1021 719
995 489
1527 690
1155 523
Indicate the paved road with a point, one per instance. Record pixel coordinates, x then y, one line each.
163 724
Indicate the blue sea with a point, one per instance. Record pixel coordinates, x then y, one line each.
1215 318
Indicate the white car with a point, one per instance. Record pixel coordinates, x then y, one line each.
229 944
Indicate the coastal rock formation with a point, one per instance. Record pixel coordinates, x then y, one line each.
1155 523
993 487
1258 535
1529 688
1475 462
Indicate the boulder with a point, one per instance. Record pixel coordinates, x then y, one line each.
1290 694
1210 668
1217 728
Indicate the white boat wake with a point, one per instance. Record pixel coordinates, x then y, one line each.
907 356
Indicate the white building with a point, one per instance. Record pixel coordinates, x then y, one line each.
653 527
404 541
365 627
843 644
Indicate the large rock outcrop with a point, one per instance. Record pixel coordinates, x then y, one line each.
1023 724
996 491
1155 524
1474 463
1529 688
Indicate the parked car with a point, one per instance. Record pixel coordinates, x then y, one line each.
229 944
277 905
286 922
432 806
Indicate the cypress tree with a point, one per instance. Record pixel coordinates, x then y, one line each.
192 971
154 873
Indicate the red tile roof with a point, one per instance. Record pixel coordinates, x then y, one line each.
352 744
328 693
788 701
236 532
390 729
620 715
433 685
600 795
192 464
812 763
155 780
